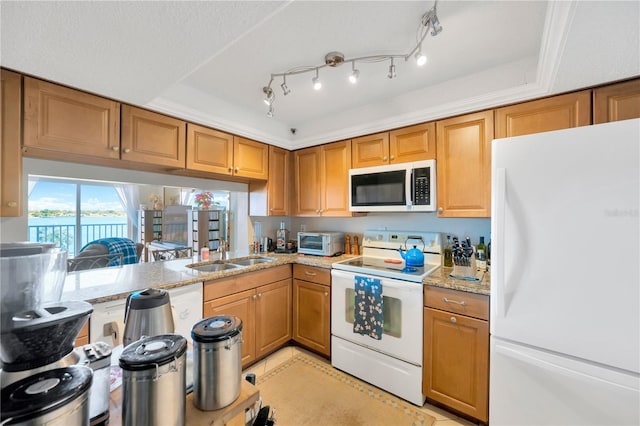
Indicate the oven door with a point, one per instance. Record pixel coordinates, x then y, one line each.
402 311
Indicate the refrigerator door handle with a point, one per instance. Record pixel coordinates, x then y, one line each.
497 226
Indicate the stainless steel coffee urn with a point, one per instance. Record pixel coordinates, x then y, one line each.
217 361
154 381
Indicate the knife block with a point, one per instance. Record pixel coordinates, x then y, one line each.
465 268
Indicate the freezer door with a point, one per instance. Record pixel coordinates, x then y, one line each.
533 387
565 232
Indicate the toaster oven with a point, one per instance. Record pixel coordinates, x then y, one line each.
321 243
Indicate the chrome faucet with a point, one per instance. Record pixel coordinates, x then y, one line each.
222 248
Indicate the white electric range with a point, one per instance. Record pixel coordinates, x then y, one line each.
393 362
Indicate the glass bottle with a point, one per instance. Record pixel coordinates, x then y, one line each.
448 253
481 251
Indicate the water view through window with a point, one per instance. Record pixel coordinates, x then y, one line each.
53 212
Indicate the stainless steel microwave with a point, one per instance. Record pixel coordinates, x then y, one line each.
404 187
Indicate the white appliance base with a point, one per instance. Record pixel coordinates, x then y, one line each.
397 377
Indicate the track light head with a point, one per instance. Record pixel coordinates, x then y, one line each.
421 58
285 88
269 96
353 78
317 84
392 71
270 112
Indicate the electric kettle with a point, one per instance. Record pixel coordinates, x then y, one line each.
147 313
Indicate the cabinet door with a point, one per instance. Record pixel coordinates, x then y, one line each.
279 182
464 165
456 362
371 150
413 143
307 184
250 159
10 154
311 316
616 102
544 115
209 150
149 137
241 305
334 179
65 120
273 316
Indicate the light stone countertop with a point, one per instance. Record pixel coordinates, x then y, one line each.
106 284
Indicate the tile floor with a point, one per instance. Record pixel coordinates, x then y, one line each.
443 418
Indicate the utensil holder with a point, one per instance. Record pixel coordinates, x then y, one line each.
464 267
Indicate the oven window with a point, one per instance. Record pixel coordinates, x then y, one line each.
313 242
378 189
391 311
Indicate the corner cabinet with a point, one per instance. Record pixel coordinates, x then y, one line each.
456 350
403 145
10 150
149 137
544 115
262 300
68 121
616 102
312 308
271 197
464 165
322 180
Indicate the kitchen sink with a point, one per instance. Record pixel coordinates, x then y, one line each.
251 261
214 267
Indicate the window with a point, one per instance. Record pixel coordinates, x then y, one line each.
73 213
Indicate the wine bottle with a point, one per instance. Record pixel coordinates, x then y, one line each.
448 253
481 254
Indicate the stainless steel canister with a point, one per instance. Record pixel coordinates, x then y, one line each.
53 397
217 361
153 381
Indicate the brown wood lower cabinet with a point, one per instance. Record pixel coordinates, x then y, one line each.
262 300
456 351
312 308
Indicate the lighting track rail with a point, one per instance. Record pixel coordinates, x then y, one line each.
429 20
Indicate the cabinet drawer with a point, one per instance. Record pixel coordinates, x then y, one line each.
246 281
459 302
312 273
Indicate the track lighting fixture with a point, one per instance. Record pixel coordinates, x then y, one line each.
429 20
353 78
317 84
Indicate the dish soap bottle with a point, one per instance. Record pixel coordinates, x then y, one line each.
282 236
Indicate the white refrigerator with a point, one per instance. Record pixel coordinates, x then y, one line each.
565 282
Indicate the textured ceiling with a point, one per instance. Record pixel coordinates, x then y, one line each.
207 61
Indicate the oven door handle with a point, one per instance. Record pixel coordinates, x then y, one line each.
342 279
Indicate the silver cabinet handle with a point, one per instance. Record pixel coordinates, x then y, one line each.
115 148
463 303
259 294
454 320
12 204
311 274
384 158
326 293
237 169
440 209
230 169
254 297
393 157
127 150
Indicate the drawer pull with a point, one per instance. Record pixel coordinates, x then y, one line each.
454 320
326 293
311 274
463 303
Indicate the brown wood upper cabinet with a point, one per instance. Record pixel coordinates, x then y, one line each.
412 143
69 121
271 197
322 184
544 115
616 102
464 165
149 137
10 154
210 150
